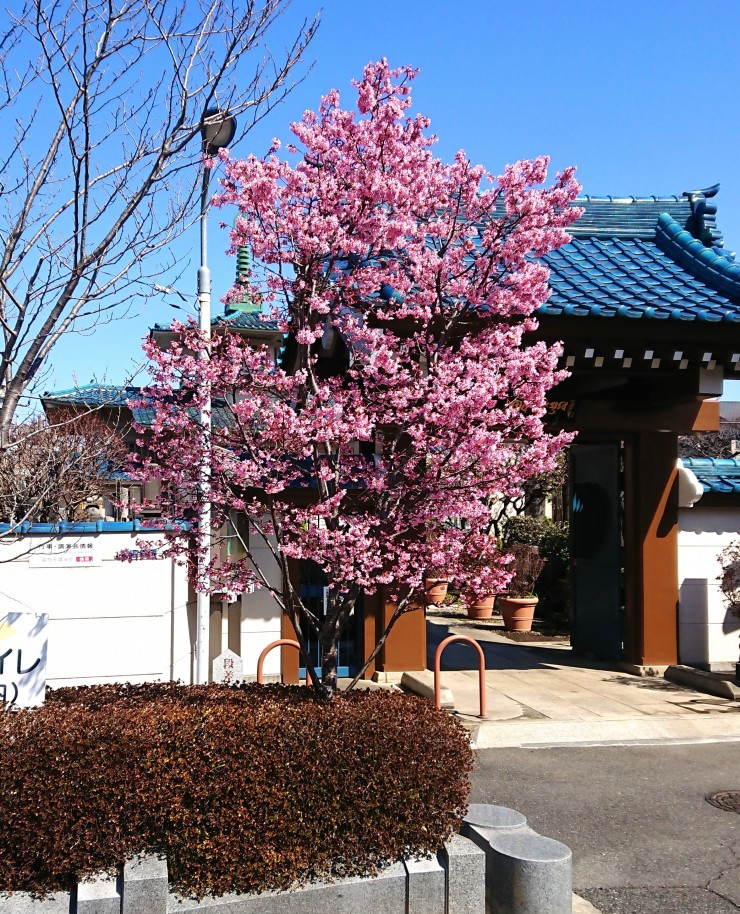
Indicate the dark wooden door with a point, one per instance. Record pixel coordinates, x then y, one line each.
596 550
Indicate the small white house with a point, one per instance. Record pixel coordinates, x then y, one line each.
709 634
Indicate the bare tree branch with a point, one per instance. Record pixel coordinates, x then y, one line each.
53 470
101 104
722 443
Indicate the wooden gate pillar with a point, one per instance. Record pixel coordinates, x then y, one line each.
651 484
406 647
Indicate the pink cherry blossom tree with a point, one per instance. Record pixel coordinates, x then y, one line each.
380 467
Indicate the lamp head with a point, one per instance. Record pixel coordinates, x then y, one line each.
217 129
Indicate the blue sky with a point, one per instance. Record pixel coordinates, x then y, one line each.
640 96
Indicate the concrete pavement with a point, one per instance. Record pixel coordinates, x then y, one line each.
644 838
541 695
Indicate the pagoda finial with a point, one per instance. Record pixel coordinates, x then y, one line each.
245 301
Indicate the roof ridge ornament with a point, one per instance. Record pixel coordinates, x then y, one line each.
703 221
706 192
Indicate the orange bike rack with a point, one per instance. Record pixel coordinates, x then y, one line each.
437 661
273 644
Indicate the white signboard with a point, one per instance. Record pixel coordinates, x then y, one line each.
23 658
228 667
65 553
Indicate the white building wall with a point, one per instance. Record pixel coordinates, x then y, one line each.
120 621
261 616
707 632
111 621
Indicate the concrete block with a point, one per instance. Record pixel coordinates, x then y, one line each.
701 681
465 864
145 886
421 682
482 824
425 887
486 815
382 894
99 896
23 903
392 677
530 874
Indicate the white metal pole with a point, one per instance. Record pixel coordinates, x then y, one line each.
203 596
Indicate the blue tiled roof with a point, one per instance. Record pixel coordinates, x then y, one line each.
638 258
631 277
92 395
720 476
98 526
658 258
221 415
246 320
630 217
101 395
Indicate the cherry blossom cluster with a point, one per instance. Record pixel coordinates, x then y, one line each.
410 393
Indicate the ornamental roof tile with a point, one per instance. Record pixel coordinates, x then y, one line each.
720 476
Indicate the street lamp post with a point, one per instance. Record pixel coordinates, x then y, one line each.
217 130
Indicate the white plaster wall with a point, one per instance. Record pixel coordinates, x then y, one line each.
115 621
130 621
261 616
707 632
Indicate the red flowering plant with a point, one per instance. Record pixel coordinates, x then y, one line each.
526 565
426 276
729 579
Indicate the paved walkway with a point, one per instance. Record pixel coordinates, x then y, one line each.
539 695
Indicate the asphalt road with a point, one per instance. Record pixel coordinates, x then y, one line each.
644 839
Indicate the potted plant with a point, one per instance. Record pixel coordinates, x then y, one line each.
518 604
479 599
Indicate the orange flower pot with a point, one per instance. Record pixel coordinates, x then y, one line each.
435 591
517 612
481 607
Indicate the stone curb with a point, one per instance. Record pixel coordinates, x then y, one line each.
421 682
526 873
453 883
498 866
702 681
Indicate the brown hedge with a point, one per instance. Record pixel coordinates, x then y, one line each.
243 788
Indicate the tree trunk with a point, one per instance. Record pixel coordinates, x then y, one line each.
329 665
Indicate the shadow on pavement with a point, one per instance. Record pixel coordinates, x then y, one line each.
499 655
